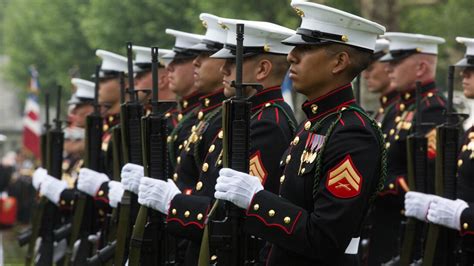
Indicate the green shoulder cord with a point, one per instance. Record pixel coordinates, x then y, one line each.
319 158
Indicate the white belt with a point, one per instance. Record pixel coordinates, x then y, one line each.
353 246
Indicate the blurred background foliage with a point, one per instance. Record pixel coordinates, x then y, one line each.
59 37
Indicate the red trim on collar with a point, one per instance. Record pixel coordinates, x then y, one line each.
263 104
267 90
345 104
327 95
221 90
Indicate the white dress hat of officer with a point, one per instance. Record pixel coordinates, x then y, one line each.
143 58
382 47
215 35
184 41
112 64
321 24
468 60
259 37
403 45
85 91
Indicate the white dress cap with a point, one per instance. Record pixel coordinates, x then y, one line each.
215 36
259 37
143 57
112 61
184 41
468 60
323 24
382 45
84 89
403 45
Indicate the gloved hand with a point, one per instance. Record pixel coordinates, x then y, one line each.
237 187
131 174
416 204
89 181
447 212
52 188
157 194
38 177
115 193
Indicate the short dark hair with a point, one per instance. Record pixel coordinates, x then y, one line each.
360 58
279 62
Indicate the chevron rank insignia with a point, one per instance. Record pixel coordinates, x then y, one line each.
344 180
431 136
257 168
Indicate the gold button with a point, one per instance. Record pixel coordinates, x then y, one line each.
387 145
296 140
302 170
180 116
402 107
100 193
343 108
207 102
379 124
391 186
111 118
271 213
392 131
200 115
460 162
63 202
175 137
307 126
397 137
199 216
219 162
344 38
221 134
213 257
193 128
314 108
465 226
268 104
384 99
185 103
186 214
180 146
185 142
397 119
71 202
173 211
407 96
101 213
430 94
167 115
287 220
175 176
282 179
169 139
105 127
198 185
178 159
212 148
256 207
288 158
384 136
464 147
381 110
205 167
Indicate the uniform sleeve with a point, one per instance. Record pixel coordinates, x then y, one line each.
66 200
348 179
101 200
467 221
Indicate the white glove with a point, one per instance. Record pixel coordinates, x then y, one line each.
38 177
157 194
447 212
237 187
416 204
115 193
89 181
131 174
52 188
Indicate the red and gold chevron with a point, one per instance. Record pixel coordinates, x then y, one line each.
344 180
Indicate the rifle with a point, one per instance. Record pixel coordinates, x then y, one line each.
131 113
148 240
417 147
104 255
357 89
50 215
236 143
440 240
81 228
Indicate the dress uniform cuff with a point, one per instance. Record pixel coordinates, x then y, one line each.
66 200
270 211
101 199
394 185
467 217
187 214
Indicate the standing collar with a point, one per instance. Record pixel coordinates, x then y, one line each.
210 102
389 98
408 97
189 102
268 95
329 102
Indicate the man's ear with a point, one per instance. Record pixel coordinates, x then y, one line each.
263 69
421 69
342 61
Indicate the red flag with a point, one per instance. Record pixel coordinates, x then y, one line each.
31 117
